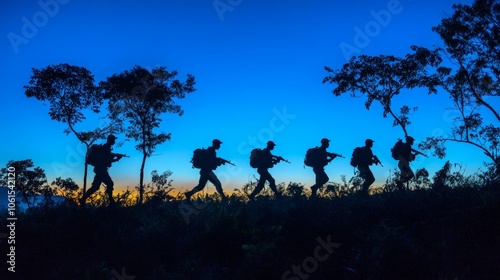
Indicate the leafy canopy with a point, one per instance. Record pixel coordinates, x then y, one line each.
68 90
381 78
140 96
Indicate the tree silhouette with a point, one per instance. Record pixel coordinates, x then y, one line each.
140 96
69 90
382 77
66 188
472 39
472 44
30 181
157 191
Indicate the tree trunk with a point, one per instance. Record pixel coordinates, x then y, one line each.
85 178
85 168
497 165
397 120
141 179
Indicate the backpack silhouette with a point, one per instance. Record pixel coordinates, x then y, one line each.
94 154
313 157
200 158
397 149
358 157
255 158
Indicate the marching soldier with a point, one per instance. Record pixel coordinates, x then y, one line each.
405 154
366 159
320 160
266 161
211 162
104 159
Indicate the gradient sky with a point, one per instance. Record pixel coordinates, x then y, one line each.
258 67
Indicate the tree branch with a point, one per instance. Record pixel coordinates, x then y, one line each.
486 152
476 95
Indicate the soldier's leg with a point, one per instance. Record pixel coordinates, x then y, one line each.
96 183
314 188
317 182
218 185
363 175
410 174
106 179
272 183
321 179
201 183
368 177
260 184
403 169
406 172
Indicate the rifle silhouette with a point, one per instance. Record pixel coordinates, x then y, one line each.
419 153
335 155
120 155
377 161
278 158
224 161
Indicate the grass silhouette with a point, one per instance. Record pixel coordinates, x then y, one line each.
445 233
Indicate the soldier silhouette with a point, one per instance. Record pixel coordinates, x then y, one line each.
406 154
104 159
266 160
321 159
206 171
366 159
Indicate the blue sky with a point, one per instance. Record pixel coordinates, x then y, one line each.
258 67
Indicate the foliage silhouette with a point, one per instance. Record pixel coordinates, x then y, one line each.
30 181
419 234
140 96
158 190
383 77
472 40
70 90
66 188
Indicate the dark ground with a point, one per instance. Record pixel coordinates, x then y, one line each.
424 234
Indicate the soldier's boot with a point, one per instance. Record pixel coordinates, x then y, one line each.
314 189
188 195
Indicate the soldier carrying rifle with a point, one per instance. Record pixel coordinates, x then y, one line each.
404 153
362 158
266 160
318 158
101 157
207 161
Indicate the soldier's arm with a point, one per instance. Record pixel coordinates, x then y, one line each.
115 157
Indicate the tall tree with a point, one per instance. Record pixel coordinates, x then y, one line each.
472 41
70 90
472 44
140 97
30 181
382 77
